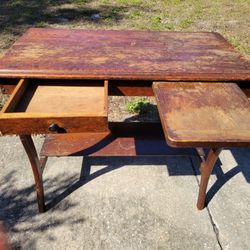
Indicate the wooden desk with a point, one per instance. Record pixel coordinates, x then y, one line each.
60 81
137 55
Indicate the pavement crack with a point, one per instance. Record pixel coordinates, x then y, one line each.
215 228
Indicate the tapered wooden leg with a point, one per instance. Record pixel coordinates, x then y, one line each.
37 169
206 170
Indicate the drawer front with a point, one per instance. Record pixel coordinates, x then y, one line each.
45 125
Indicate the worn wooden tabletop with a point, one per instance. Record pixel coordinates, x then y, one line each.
202 114
141 55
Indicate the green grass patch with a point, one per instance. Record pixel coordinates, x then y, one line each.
139 105
230 18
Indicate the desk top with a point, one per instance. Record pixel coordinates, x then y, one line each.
130 55
203 114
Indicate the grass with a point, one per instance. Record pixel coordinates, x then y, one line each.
230 18
138 105
3 99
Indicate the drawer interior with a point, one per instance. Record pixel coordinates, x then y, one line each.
56 106
48 96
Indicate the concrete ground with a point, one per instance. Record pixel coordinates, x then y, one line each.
124 203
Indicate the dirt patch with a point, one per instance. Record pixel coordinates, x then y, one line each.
3 99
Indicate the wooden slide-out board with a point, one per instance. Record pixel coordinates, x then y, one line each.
203 114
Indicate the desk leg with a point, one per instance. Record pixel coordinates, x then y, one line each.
206 169
37 169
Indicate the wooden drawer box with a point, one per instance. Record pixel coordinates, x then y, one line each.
56 106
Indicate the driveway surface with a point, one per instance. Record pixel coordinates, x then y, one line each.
124 202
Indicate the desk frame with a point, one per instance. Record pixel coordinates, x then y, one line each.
38 164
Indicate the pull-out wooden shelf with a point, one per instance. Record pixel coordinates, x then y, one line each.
203 114
45 106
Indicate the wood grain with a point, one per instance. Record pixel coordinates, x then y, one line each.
34 107
203 114
64 99
141 55
130 88
30 123
106 144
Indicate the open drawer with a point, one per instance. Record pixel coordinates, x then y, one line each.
56 106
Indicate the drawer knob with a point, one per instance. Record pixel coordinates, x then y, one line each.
53 127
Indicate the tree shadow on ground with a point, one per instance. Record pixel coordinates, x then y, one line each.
16 16
19 205
114 163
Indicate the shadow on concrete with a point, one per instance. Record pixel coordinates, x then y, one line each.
242 157
112 164
147 112
19 205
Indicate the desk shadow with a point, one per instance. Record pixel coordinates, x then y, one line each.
173 166
242 157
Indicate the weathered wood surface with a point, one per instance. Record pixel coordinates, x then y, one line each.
124 139
30 123
206 169
37 169
130 88
141 55
203 114
106 144
34 108
89 100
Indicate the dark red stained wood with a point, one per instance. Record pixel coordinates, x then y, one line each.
130 88
206 169
104 144
40 125
141 55
200 114
124 139
37 169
